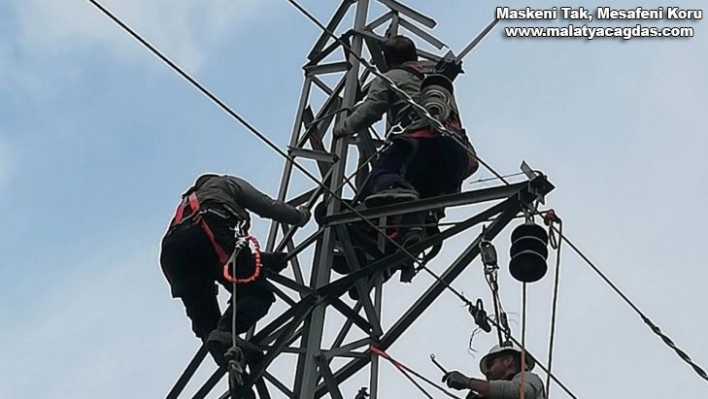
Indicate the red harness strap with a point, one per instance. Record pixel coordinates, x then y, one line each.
193 203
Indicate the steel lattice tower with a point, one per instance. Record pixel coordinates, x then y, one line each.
320 295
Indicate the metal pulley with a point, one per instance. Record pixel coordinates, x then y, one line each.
488 253
529 253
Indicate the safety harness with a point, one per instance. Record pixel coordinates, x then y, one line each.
408 117
437 97
234 356
191 202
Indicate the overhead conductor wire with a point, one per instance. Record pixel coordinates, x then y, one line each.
419 109
438 126
652 326
263 138
422 112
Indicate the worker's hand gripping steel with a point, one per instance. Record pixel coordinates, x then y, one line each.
456 380
304 210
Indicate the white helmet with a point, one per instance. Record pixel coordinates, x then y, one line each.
505 348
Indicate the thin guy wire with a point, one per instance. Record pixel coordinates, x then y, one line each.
554 309
405 368
486 179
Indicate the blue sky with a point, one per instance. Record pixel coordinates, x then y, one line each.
98 139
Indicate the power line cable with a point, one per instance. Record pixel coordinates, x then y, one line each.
438 126
253 130
654 328
419 109
263 138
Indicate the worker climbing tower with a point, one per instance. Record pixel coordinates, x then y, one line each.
318 292
300 329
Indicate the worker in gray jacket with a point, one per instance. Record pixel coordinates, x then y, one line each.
502 367
199 242
417 162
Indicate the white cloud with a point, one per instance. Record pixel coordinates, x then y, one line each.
47 29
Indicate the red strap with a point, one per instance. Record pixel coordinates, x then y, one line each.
193 202
414 68
422 133
551 217
223 256
179 215
379 352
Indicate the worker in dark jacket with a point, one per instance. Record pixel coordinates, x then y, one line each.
505 376
418 162
200 241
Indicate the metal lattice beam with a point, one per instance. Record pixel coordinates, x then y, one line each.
277 336
299 330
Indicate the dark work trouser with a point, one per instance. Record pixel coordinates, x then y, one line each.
192 268
431 166
387 170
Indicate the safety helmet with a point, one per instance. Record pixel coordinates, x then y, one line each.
507 347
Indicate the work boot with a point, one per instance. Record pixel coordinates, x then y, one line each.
340 264
253 353
354 293
413 237
248 395
218 343
274 261
390 196
234 388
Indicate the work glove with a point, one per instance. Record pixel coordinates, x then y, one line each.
339 131
305 215
456 380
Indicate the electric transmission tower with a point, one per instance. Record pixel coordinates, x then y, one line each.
299 331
